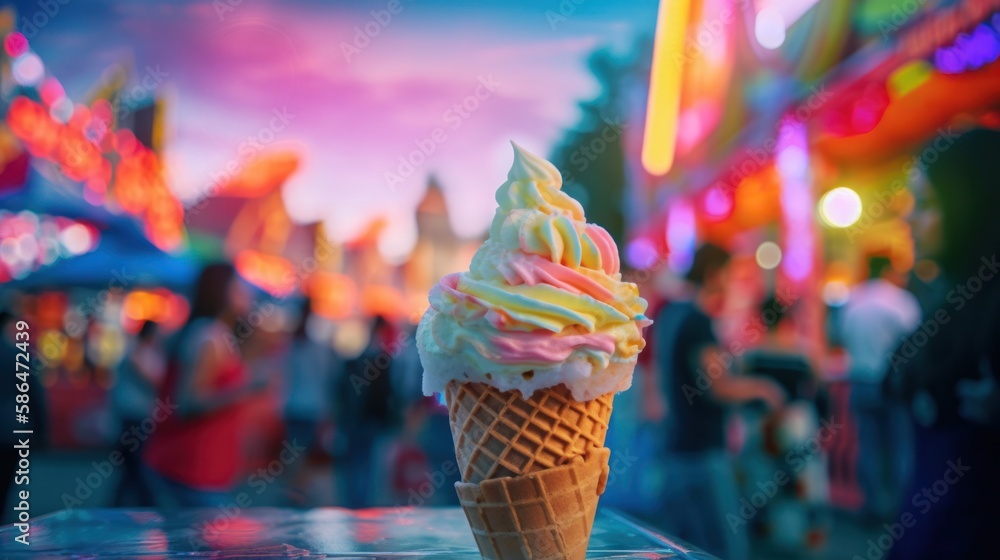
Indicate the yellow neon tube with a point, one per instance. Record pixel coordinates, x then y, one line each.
662 108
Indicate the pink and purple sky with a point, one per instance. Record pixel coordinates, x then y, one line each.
225 68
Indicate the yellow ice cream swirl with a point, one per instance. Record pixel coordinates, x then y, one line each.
544 286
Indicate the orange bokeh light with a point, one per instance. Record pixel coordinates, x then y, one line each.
386 301
139 186
333 295
160 306
271 273
262 175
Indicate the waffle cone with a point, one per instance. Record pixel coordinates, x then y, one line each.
501 433
546 515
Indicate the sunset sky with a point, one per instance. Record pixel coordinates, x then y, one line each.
351 108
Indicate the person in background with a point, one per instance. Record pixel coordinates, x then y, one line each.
778 440
426 432
407 458
947 369
139 377
700 487
311 365
364 411
779 354
197 453
264 349
878 313
925 281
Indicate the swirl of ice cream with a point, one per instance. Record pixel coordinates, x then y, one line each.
543 302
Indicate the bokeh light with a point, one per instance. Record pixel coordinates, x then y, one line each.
836 293
840 207
718 203
769 28
792 160
970 51
681 238
76 239
51 91
28 69
768 255
15 44
640 253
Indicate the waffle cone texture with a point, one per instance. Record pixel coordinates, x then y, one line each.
532 468
502 433
545 515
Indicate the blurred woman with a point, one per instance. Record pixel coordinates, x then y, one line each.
365 412
946 370
139 378
197 453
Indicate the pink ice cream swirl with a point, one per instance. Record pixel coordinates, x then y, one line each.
544 289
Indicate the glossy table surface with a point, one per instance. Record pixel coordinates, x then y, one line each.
284 533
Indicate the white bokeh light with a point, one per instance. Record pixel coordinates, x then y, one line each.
28 69
840 207
769 28
76 239
836 293
768 255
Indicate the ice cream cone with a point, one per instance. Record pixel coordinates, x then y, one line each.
546 515
529 346
501 433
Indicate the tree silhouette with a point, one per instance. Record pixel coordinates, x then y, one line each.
591 156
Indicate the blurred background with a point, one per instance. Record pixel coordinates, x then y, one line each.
221 221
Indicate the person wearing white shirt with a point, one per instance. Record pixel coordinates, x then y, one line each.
877 316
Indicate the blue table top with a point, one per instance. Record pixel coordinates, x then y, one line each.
285 533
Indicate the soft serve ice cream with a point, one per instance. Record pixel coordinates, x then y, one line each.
543 302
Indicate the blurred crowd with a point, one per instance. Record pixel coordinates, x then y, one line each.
248 406
725 441
923 406
225 405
